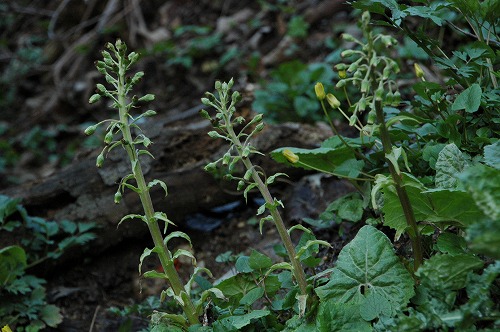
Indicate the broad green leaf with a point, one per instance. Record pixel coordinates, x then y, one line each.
242 264
368 265
491 154
449 243
335 316
451 161
483 183
392 209
252 296
338 161
469 99
448 271
452 206
258 261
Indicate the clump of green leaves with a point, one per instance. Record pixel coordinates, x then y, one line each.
288 97
427 180
23 302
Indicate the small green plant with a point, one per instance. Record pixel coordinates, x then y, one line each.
239 151
288 96
23 303
124 132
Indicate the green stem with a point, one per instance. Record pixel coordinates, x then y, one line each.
413 231
162 250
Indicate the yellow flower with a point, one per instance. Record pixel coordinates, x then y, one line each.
332 100
320 91
290 156
342 74
418 70
6 328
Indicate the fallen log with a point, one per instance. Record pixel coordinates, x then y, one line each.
82 192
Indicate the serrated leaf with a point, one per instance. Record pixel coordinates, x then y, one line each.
448 271
51 315
368 264
451 161
469 99
375 306
334 316
12 263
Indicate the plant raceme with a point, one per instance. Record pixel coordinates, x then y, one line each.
124 132
240 150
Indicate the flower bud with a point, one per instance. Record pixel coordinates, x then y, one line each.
342 74
241 184
340 84
118 197
94 98
365 18
346 53
333 101
290 156
372 116
109 137
205 115
149 113
147 97
90 130
259 127
397 98
348 37
236 97
365 85
362 104
320 91
100 160
379 93
418 71
218 85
